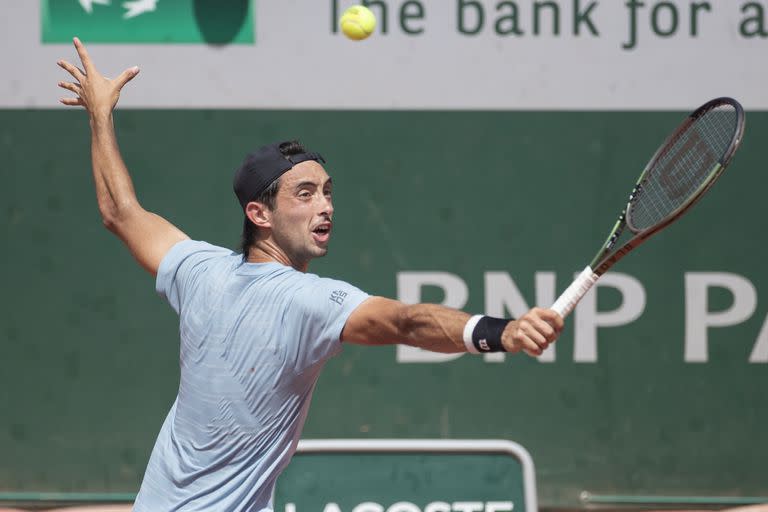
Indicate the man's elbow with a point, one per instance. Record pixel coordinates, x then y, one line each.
108 217
109 223
114 216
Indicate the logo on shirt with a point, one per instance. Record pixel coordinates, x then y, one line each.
338 297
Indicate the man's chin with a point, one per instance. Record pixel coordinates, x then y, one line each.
318 251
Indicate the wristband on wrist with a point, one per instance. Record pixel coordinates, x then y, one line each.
483 334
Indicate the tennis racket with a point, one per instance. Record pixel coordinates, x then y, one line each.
679 174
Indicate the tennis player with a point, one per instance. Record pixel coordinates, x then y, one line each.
256 328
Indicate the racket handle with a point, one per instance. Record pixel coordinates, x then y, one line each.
573 294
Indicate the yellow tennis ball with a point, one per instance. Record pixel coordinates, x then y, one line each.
357 22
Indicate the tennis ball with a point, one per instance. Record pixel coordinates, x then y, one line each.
357 22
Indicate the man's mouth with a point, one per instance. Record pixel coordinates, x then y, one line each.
322 233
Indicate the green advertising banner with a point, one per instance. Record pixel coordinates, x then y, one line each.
408 476
148 21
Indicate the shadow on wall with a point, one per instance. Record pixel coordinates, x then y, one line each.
220 26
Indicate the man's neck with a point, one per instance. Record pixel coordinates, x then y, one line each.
266 252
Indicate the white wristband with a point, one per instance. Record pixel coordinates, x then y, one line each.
469 328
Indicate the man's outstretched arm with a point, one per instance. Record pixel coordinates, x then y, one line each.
381 321
147 235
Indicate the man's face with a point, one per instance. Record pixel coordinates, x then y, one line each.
301 220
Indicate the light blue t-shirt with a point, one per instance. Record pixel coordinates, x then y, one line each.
254 337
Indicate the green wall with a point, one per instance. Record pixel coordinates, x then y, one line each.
88 351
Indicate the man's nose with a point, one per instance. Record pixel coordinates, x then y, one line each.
326 206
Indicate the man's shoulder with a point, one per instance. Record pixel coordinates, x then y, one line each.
192 246
329 291
186 263
195 251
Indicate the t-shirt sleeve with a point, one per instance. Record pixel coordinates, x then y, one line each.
180 268
325 307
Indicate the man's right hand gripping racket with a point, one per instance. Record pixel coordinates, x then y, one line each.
678 175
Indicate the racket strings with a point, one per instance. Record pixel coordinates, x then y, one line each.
683 167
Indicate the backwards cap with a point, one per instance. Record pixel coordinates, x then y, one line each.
262 167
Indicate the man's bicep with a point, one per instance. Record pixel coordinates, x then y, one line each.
148 236
376 321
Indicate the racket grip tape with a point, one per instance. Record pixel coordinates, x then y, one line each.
573 294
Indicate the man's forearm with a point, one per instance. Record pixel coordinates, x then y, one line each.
114 188
380 321
435 328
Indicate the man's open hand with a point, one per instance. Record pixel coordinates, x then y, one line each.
95 92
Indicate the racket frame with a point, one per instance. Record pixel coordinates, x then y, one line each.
605 259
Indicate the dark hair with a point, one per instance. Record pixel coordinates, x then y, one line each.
267 198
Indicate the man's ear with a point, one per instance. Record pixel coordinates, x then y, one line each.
259 214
